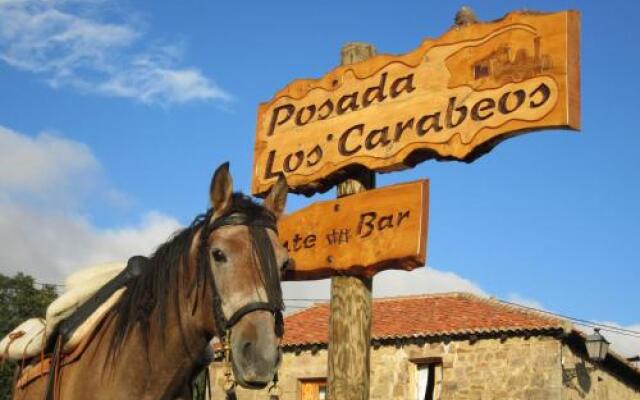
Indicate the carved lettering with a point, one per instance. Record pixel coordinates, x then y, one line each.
385 222
268 172
311 111
481 106
310 241
289 110
451 108
298 242
314 156
375 92
402 215
342 143
299 157
363 139
377 137
434 124
544 91
402 84
401 127
338 236
366 226
325 109
504 108
348 102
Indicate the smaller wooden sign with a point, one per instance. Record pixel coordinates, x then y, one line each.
360 234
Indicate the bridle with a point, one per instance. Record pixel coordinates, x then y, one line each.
263 249
261 245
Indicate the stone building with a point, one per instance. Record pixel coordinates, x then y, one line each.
453 346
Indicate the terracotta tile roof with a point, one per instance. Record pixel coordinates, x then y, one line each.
425 316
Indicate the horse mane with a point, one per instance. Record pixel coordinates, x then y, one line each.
151 290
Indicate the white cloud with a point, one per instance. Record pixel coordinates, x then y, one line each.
386 284
55 41
150 77
420 281
42 229
51 246
45 168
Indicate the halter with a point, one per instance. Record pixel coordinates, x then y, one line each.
261 244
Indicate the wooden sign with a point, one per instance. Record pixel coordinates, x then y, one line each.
452 98
359 234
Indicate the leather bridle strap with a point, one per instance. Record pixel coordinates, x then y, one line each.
243 219
248 308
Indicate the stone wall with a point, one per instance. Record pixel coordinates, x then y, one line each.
516 368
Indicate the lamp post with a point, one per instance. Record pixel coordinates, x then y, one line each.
597 346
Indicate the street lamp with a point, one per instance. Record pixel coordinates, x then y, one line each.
597 346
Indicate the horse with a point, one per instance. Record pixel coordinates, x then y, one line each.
220 276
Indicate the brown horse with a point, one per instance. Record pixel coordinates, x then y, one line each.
220 276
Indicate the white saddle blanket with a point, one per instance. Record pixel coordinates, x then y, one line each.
29 338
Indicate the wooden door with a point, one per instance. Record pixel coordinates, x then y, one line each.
313 389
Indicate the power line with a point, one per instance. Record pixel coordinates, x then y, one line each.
578 321
635 335
49 284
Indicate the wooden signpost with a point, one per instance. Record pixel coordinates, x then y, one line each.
452 98
360 234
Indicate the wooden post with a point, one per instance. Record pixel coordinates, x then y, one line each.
350 318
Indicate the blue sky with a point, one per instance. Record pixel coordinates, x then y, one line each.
113 115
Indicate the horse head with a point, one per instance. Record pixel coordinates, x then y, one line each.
239 243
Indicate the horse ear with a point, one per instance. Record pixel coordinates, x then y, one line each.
277 198
221 189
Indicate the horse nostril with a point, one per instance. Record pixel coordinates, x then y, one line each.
247 351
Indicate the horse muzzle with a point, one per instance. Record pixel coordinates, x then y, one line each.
255 352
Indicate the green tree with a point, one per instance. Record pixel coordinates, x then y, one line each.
20 298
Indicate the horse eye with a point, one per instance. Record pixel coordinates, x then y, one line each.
218 256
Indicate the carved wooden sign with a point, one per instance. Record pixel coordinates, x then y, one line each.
359 234
452 98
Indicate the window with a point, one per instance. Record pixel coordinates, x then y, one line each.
313 389
428 380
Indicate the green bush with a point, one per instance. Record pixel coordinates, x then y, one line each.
20 298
